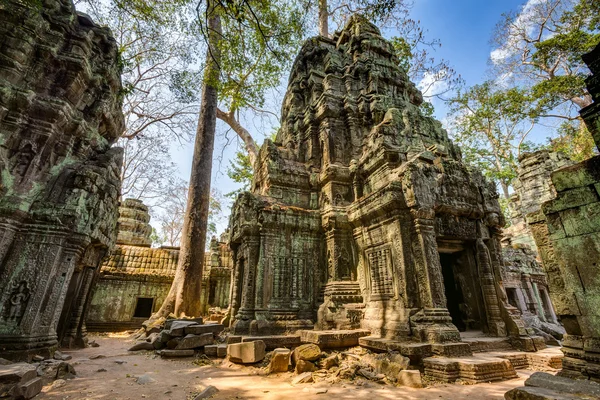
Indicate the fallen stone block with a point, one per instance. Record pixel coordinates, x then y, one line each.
195 341
247 353
222 350
164 337
330 362
303 378
28 390
303 366
333 339
275 341
209 392
410 378
178 327
233 339
307 352
173 343
18 372
389 364
61 356
141 346
280 360
215 329
191 321
49 370
176 353
210 350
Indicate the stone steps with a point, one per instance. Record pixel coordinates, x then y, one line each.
478 368
547 360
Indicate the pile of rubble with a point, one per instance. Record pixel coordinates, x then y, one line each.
23 380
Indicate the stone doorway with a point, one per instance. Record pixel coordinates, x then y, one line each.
461 286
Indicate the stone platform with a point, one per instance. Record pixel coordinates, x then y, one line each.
273 342
478 368
544 386
332 339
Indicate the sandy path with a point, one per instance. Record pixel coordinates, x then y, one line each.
176 379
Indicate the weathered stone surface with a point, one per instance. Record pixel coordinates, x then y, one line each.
451 349
222 350
274 341
211 350
27 390
303 378
195 341
141 346
330 362
60 108
207 393
333 339
234 339
389 364
49 370
356 200
543 386
308 352
200 329
246 353
474 369
173 343
303 366
410 378
167 353
17 372
280 360
178 327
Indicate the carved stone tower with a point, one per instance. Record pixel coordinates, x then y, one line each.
362 213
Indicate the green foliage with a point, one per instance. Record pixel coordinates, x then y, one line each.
574 140
240 171
491 126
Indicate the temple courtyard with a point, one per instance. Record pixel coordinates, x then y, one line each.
126 373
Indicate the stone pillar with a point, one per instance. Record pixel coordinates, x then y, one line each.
538 301
496 325
60 114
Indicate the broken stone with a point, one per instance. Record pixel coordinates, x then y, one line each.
233 339
207 393
58 384
195 341
246 353
329 362
28 390
211 350
222 350
141 346
178 327
410 378
144 379
164 336
303 366
280 360
201 329
303 378
61 356
173 343
176 353
308 352
50 370
389 364
333 338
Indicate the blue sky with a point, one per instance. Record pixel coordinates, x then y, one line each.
464 28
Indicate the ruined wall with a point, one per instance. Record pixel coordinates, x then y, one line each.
358 203
567 234
60 113
135 279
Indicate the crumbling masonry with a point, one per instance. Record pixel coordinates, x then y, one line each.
60 113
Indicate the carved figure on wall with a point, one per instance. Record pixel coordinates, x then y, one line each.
17 301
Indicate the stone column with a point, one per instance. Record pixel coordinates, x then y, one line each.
496 324
538 300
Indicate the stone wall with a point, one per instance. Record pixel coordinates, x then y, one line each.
60 114
135 279
567 234
362 213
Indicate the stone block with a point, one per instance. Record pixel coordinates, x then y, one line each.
210 350
333 339
222 350
194 321
389 364
176 353
28 390
410 378
451 349
303 378
246 353
178 327
303 366
207 393
15 373
233 339
275 341
141 346
173 343
280 360
414 351
307 352
330 362
215 329
473 369
195 341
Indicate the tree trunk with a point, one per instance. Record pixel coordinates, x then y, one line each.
249 142
504 186
184 296
323 18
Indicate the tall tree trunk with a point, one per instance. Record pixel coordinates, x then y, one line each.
184 296
323 18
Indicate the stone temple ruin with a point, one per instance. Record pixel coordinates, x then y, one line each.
60 112
135 279
362 213
363 227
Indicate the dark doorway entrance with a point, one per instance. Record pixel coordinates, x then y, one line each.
143 308
454 295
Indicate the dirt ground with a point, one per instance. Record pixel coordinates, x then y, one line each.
178 379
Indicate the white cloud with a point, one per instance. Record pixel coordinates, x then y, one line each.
433 83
